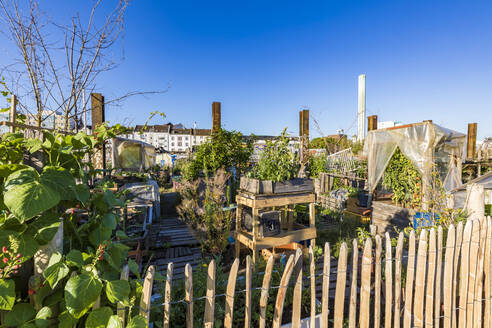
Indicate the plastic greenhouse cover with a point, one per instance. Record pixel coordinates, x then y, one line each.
415 141
132 154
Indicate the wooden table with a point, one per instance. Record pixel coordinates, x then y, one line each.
290 230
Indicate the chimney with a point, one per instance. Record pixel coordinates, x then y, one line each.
216 117
361 113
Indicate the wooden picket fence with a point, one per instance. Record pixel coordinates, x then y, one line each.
444 285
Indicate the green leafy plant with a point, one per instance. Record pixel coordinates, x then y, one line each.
403 179
317 165
277 162
225 149
34 202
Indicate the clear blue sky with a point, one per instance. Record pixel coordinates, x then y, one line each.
264 60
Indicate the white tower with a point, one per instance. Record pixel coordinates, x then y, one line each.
361 113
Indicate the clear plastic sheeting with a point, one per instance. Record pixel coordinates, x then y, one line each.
132 154
424 144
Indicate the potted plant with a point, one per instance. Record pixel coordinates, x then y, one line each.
276 171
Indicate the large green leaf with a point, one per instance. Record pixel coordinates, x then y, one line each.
81 292
98 318
55 273
44 228
7 294
109 221
75 258
137 322
8 169
59 179
99 234
66 320
42 317
26 197
81 192
21 313
118 291
114 322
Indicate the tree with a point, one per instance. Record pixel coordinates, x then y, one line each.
57 63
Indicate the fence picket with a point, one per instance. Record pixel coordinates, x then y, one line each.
488 272
472 276
398 257
247 303
264 291
407 320
353 288
145 301
457 254
418 307
231 287
365 284
377 284
312 272
431 278
167 294
448 276
477 306
284 282
297 297
208 318
341 286
465 269
438 290
325 294
388 275
189 295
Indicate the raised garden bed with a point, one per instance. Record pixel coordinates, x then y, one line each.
257 186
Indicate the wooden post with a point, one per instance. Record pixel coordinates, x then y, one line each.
98 118
13 112
372 122
471 144
216 116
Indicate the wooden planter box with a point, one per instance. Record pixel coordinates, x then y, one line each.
257 186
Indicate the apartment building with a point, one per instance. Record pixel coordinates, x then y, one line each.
169 137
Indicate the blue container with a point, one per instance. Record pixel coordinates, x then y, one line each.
423 219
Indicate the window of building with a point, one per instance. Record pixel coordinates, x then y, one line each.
172 144
180 138
180 143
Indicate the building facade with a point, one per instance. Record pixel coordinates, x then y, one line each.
169 137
